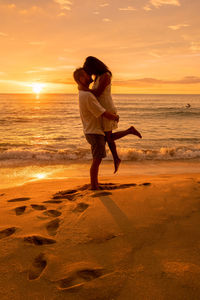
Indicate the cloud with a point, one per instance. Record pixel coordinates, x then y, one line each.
64 4
23 12
153 81
186 80
195 46
106 20
68 80
32 10
62 14
11 5
38 43
51 69
129 8
178 26
3 34
104 4
31 71
62 58
65 67
158 3
154 54
147 8
13 82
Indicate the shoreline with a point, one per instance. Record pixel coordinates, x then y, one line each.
15 176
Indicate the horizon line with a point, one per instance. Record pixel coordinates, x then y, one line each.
112 94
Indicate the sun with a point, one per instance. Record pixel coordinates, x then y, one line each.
37 87
40 175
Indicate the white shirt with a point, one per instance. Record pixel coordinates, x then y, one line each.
90 112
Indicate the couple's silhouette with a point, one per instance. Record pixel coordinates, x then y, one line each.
99 114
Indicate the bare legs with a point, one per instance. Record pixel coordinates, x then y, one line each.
113 149
94 170
111 137
131 130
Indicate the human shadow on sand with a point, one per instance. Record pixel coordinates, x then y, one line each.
74 194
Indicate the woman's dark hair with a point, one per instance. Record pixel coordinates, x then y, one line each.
94 66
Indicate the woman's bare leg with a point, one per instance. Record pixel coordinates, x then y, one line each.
120 134
113 149
111 137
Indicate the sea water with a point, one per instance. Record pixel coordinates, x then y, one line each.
48 129
42 135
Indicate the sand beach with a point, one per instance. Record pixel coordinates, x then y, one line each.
137 238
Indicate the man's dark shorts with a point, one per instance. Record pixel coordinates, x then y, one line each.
97 142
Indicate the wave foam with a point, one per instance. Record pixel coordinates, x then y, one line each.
18 156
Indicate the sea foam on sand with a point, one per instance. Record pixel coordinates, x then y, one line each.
138 238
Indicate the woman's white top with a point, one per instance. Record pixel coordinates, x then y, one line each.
105 99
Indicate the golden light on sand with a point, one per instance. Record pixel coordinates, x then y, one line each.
37 87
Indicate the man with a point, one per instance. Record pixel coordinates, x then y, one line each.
91 113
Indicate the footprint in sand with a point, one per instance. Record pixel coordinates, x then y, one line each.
52 213
53 201
38 207
68 194
145 183
63 196
7 232
81 207
103 239
2 195
19 199
38 240
20 210
89 274
78 278
112 186
101 194
108 183
52 226
37 267
126 185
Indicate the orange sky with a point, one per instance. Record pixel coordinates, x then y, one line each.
151 46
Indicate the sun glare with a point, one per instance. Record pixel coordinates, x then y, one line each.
37 87
41 175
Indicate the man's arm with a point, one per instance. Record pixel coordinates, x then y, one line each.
110 116
97 110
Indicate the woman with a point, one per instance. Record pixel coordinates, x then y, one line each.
102 90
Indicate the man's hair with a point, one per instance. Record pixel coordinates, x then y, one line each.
77 74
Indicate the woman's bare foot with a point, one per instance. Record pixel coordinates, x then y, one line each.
117 163
134 131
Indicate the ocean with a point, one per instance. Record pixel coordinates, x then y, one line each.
42 136
48 130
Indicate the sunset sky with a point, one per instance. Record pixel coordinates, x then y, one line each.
151 46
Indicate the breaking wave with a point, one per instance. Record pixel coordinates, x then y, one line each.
20 156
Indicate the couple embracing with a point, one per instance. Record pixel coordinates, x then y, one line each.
99 114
